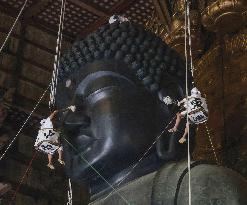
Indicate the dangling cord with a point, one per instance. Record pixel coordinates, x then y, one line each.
96 171
212 145
187 94
57 56
142 157
23 177
13 26
25 122
70 201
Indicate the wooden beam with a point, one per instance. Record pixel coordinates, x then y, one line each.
40 85
42 25
37 7
48 50
7 9
117 9
163 13
89 6
18 62
32 62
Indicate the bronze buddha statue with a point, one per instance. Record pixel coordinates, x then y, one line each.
118 75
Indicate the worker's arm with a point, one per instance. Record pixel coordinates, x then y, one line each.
53 114
182 101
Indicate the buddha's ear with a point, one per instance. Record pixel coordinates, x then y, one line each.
167 146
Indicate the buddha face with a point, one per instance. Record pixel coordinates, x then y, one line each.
116 121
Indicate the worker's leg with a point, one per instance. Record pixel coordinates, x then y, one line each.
186 130
50 165
178 119
60 155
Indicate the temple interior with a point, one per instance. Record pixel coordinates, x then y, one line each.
219 51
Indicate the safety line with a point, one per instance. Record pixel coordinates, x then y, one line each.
212 145
17 18
186 6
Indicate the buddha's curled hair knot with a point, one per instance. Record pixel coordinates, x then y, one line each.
146 55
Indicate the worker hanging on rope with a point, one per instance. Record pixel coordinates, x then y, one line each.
197 110
48 139
117 18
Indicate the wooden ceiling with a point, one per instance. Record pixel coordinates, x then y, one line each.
81 16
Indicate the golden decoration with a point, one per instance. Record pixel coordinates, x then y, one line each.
236 44
225 15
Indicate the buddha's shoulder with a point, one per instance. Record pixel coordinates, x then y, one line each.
169 185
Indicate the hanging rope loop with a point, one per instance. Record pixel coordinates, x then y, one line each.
57 55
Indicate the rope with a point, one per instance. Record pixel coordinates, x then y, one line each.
70 201
135 165
57 55
190 44
212 145
97 172
24 123
187 94
13 26
60 44
23 177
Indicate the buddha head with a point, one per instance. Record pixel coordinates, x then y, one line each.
117 77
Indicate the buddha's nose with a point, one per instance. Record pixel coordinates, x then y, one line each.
77 119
